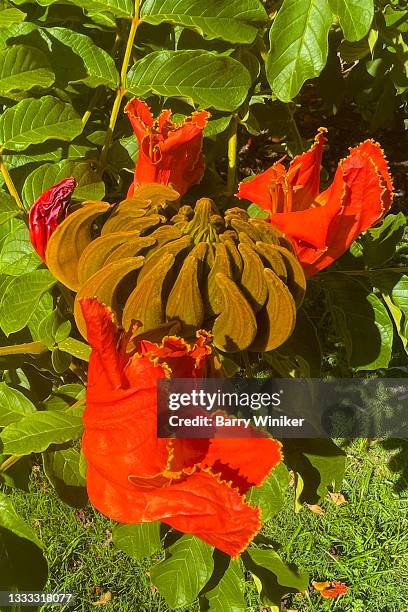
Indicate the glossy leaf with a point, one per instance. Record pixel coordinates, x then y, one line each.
119 8
379 243
208 79
22 68
362 322
21 298
89 183
10 16
271 494
99 67
234 22
137 541
62 470
34 121
13 405
185 571
22 564
76 348
225 590
320 465
355 16
276 578
36 432
394 289
298 45
17 255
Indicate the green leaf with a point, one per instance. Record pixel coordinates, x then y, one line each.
65 396
208 79
184 572
43 310
271 494
76 348
34 433
21 299
320 463
362 321
13 405
235 22
303 348
87 173
22 563
62 470
98 67
355 16
379 243
17 255
298 45
10 16
394 289
34 121
119 8
228 593
17 476
138 541
14 31
276 577
22 68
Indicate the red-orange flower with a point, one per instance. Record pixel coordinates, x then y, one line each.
169 153
323 225
196 486
47 212
331 590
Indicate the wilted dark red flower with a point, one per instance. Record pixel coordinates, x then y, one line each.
323 225
47 212
195 485
169 153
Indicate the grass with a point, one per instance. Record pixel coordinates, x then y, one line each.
363 543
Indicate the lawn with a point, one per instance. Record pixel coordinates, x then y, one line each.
363 542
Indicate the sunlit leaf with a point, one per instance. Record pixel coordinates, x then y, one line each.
22 68
298 45
235 22
208 79
34 121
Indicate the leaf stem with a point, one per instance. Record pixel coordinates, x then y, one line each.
32 348
121 90
232 155
9 183
295 130
9 462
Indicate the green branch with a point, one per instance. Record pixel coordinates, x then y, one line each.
9 183
232 156
121 90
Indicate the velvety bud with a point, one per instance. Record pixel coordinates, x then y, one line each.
48 211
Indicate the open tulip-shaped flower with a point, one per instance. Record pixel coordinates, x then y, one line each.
169 153
194 485
323 224
47 212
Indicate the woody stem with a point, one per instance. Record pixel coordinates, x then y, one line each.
9 183
121 90
232 155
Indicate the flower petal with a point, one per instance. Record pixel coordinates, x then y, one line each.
47 212
304 173
243 455
209 509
